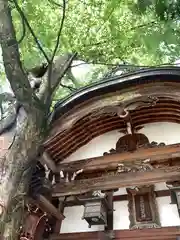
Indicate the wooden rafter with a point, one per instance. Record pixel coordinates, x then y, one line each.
45 205
46 159
157 154
117 181
64 143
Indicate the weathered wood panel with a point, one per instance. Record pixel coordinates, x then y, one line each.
166 233
111 161
72 200
117 181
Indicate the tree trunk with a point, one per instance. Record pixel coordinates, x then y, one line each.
13 186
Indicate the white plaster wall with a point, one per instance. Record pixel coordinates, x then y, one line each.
160 186
121 191
96 147
121 215
162 132
168 213
74 223
168 133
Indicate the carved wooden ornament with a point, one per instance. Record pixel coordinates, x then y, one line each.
132 142
143 212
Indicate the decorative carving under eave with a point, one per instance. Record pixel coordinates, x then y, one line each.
136 167
142 102
171 184
143 211
90 196
132 142
145 165
167 167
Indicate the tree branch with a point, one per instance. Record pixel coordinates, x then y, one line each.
13 66
31 31
60 30
68 87
59 68
73 79
56 70
55 3
23 31
131 29
50 69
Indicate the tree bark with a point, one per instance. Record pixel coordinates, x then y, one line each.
13 184
13 67
19 161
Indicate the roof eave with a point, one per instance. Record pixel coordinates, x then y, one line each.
170 74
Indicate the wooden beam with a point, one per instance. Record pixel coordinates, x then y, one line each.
46 159
162 233
58 224
73 201
48 207
118 181
110 161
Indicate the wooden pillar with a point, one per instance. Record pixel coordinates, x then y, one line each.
109 228
109 197
61 209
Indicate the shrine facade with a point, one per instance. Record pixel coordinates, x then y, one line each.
110 167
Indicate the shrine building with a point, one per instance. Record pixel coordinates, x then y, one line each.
112 159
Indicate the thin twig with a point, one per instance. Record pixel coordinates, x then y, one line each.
56 46
102 26
31 31
24 31
68 87
55 3
60 30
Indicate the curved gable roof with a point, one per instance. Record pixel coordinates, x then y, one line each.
73 127
170 74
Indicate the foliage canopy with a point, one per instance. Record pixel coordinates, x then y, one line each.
103 33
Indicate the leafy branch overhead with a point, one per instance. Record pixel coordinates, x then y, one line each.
14 70
111 37
113 34
164 10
